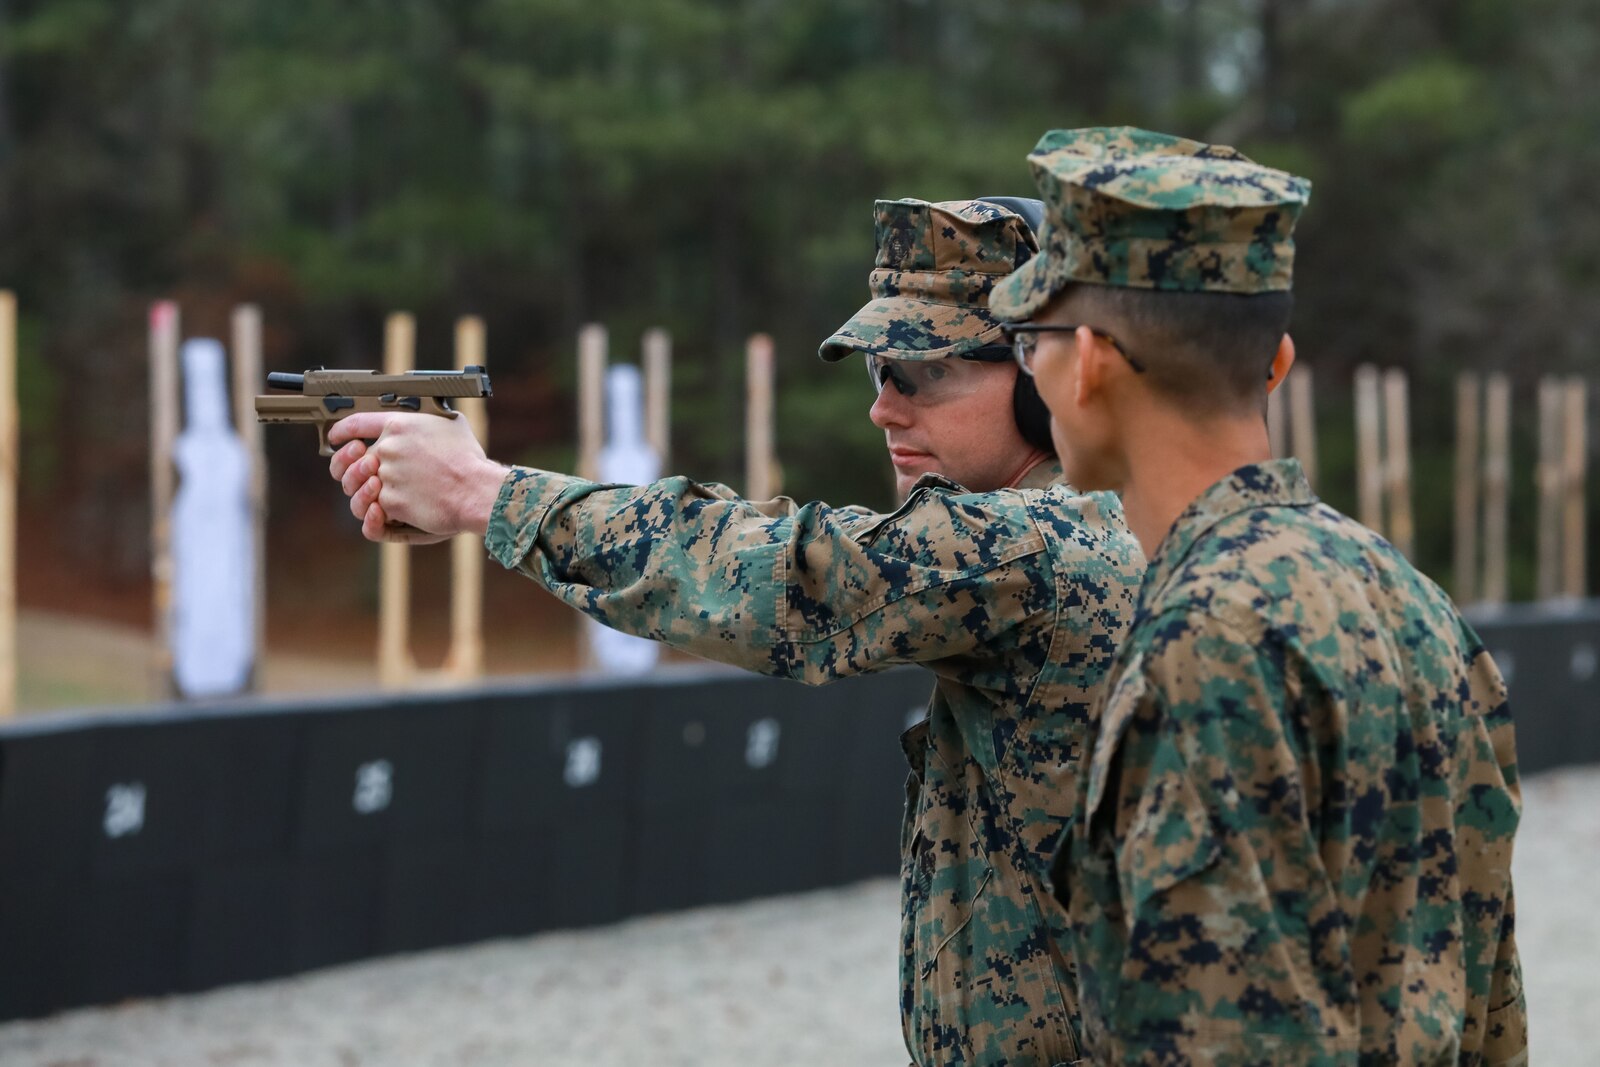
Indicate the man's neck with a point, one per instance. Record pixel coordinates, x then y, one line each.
1035 458
1173 460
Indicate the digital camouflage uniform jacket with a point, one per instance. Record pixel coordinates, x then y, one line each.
1015 600
1295 845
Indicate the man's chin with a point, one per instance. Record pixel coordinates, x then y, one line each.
904 480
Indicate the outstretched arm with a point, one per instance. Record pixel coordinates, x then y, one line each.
808 592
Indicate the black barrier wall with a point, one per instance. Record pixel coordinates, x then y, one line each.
185 848
1550 657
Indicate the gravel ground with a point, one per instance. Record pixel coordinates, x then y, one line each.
804 979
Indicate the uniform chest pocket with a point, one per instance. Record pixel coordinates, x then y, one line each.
1159 827
944 865
943 874
981 988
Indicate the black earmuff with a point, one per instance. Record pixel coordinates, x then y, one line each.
1029 210
1033 418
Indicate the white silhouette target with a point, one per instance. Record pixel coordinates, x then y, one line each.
213 581
626 459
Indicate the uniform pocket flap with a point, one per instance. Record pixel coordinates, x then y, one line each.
1115 714
1170 839
1169 834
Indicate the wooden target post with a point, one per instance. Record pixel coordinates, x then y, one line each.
1303 420
1548 477
1369 448
1278 422
657 354
1383 455
9 457
593 342
246 360
1397 467
592 345
465 659
1575 469
164 334
1291 421
1562 474
1496 488
760 466
1469 398
395 665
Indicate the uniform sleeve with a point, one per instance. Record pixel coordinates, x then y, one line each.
806 592
1505 1042
1505 1038
1190 957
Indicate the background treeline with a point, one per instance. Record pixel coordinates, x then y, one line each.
709 166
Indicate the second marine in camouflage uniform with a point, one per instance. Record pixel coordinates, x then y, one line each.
1014 600
1324 884
1294 843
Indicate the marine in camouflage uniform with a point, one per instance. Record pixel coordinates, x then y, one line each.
1294 840
1014 599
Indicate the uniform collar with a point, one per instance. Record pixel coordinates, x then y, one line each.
1273 484
1042 475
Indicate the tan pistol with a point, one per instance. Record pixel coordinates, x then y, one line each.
323 397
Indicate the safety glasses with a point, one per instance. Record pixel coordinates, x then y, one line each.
931 381
1024 338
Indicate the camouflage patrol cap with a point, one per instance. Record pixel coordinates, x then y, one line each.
1128 207
935 266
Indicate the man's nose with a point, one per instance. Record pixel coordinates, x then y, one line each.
891 408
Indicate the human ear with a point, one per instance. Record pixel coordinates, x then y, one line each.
1281 362
1090 368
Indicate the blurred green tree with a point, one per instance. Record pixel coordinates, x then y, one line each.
709 166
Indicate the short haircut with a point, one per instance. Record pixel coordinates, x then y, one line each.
1212 351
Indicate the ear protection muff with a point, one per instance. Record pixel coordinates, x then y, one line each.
1027 407
1033 418
1030 210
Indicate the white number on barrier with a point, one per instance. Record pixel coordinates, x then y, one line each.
124 809
1584 662
374 787
761 743
583 762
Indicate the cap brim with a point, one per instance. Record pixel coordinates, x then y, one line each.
1023 293
905 328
